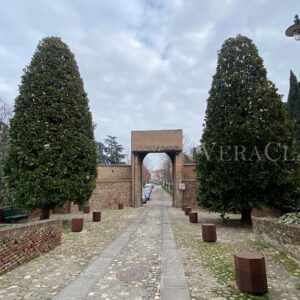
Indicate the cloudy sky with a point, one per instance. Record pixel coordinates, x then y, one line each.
146 64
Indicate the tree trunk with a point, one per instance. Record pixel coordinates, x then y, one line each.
246 216
45 212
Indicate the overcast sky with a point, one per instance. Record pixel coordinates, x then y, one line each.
147 64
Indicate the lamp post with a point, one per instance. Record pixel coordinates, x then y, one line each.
294 30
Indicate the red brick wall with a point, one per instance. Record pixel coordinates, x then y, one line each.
19 243
111 172
113 186
108 193
189 178
189 171
156 140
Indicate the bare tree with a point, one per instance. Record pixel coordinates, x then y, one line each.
146 174
5 111
166 166
188 147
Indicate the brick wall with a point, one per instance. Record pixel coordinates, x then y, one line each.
110 172
189 171
113 186
281 236
109 193
19 243
189 178
156 140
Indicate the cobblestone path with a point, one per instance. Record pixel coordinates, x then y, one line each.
152 252
143 263
43 277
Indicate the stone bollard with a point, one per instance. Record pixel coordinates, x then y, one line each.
193 217
187 210
77 225
120 205
86 209
250 272
183 206
209 232
96 216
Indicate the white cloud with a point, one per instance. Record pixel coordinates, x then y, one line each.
146 64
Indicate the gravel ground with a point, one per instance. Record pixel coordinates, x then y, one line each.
209 266
43 277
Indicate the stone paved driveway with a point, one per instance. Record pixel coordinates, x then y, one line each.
143 263
43 277
152 252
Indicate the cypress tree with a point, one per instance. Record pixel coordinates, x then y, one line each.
51 158
293 104
244 117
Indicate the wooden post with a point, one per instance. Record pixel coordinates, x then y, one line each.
96 216
209 232
77 224
187 210
250 272
193 217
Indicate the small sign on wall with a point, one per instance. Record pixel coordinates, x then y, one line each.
182 186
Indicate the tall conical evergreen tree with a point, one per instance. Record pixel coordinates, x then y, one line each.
244 115
52 154
293 95
293 104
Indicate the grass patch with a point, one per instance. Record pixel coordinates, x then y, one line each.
218 259
168 190
3 272
288 263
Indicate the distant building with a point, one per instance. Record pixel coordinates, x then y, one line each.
157 176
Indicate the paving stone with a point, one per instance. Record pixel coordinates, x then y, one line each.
59 267
174 293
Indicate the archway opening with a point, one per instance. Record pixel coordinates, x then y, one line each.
157 173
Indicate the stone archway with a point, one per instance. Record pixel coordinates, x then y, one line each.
156 141
123 183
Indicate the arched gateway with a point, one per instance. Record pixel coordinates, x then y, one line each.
156 141
123 183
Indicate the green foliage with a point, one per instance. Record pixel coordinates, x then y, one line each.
293 104
51 158
113 151
101 156
4 199
245 112
110 152
290 218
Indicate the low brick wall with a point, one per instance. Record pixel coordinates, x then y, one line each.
281 236
19 243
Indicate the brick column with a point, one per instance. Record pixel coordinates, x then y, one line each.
136 165
177 173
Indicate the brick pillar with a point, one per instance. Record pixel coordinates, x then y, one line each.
177 174
136 165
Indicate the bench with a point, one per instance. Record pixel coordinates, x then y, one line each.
9 214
